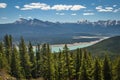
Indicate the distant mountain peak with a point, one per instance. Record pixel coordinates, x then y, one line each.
36 19
33 22
21 21
24 21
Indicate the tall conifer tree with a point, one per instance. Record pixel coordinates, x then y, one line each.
107 72
32 59
15 64
25 61
97 73
117 70
3 60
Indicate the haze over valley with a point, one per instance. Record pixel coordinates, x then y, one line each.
40 31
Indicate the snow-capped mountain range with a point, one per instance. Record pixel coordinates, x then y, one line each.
47 23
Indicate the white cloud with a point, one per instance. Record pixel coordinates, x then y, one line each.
99 7
61 7
88 13
109 8
77 7
74 14
3 5
60 13
4 18
18 7
67 7
105 9
31 6
57 7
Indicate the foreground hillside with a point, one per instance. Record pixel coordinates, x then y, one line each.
110 45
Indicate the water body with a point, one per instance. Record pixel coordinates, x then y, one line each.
72 47
56 48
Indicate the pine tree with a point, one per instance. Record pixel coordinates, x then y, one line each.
70 70
44 61
25 61
117 70
38 55
32 59
8 47
78 62
97 74
107 72
61 65
67 61
90 65
83 74
55 61
38 62
15 64
51 69
72 66
86 67
3 60
31 53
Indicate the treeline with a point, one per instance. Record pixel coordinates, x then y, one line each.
23 62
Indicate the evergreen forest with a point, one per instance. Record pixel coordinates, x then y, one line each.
24 63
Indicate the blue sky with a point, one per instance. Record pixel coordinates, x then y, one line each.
59 10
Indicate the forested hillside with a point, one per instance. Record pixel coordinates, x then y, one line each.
25 63
110 45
